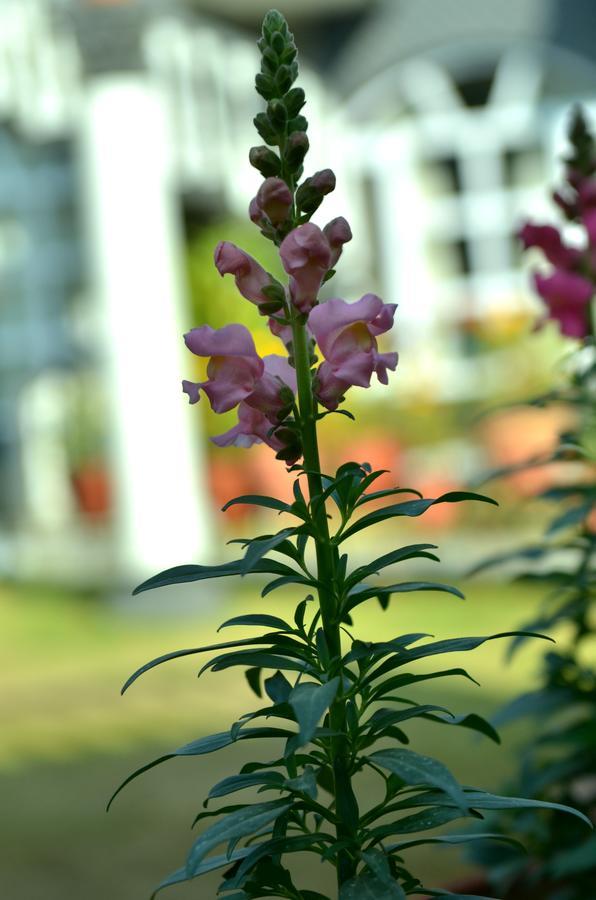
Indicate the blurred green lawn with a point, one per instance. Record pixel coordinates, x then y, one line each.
68 738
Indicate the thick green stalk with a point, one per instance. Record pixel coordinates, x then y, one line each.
345 801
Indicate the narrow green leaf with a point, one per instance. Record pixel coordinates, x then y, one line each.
412 508
383 690
415 769
420 821
388 492
484 800
440 894
204 745
388 559
570 517
475 723
295 844
258 500
257 619
278 688
369 887
253 676
234 783
306 783
177 654
382 718
263 660
183 574
236 825
364 592
456 839
369 649
284 580
209 865
450 645
309 702
259 548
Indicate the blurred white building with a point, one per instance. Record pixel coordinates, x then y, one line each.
442 121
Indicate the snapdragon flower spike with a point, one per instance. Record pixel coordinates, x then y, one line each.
567 297
346 334
251 278
307 254
233 369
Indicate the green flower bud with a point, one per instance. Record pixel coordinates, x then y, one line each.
296 149
266 129
269 61
265 161
294 101
277 113
265 86
277 42
309 195
275 292
289 55
284 78
298 123
268 309
274 21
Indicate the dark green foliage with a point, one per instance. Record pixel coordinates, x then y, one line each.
291 665
558 763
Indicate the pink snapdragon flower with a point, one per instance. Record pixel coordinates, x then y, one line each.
250 277
273 202
548 239
307 254
274 391
234 367
253 427
567 297
346 334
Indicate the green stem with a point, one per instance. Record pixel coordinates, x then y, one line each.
346 806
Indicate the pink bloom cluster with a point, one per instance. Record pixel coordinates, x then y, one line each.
346 333
262 388
569 288
347 337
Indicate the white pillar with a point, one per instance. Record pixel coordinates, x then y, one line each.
162 509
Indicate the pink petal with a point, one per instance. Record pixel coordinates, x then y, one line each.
279 367
355 368
192 389
231 379
231 340
383 362
567 296
548 239
327 320
330 390
250 277
283 332
306 256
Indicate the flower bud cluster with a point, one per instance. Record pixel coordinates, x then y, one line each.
568 289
